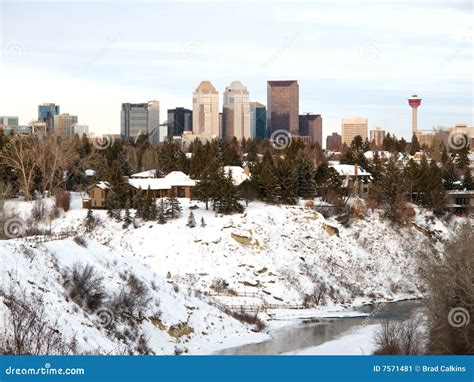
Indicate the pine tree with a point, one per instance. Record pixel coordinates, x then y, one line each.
147 205
127 220
118 185
139 202
112 205
467 181
203 223
267 179
375 167
287 181
415 145
161 212
305 172
390 190
435 190
191 221
90 219
227 198
172 205
153 212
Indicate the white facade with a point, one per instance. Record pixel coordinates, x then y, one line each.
237 119
153 116
80 129
206 110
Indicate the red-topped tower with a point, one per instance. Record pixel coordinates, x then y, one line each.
414 101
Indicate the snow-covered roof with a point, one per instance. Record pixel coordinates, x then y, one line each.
102 185
382 154
238 174
174 178
90 172
349 170
144 174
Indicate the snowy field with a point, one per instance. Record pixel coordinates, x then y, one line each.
269 256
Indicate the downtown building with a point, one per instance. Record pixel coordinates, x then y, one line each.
179 120
351 127
311 125
258 113
283 106
46 113
377 136
236 116
140 118
206 111
334 142
64 125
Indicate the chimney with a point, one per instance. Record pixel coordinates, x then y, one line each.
246 170
356 170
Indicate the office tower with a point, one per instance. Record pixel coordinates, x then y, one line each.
311 125
153 117
351 127
63 125
236 118
414 102
206 110
377 136
46 113
334 142
179 121
259 120
80 129
9 121
133 120
283 106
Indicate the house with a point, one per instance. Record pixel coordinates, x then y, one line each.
144 174
159 187
98 193
239 174
461 201
355 179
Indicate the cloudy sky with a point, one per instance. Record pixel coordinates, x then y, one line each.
351 58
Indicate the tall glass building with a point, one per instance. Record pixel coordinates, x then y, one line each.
259 120
133 120
46 113
179 120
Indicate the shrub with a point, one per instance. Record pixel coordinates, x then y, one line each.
84 286
309 204
28 331
80 241
358 209
251 319
219 284
131 301
399 338
63 199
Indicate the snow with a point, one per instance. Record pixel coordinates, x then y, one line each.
277 254
144 174
349 170
238 174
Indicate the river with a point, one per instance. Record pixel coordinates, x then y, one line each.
316 331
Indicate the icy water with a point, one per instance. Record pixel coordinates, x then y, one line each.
314 332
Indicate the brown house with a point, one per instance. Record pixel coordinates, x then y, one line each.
97 195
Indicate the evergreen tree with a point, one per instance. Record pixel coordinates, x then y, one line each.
153 213
147 206
127 220
462 157
467 180
112 205
248 191
227 198
328 182
191 221
172 205
414 145
118 185
305 172
203 223
267 180
90 219
390 190
139 202
376 167
161 212
435 190
287 181
411 178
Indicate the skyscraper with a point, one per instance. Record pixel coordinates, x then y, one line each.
377 136
153 118
64 125
351 127
179 121
283 106
9 121
133 120
46 113
334 142
259 120
312 125
206 110
236 118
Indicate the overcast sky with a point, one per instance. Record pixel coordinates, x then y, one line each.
351 58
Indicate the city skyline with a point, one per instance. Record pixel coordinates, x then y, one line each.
366 68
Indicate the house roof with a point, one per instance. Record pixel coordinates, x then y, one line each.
349 170
144 174
174 178
102 185
178 178
238 174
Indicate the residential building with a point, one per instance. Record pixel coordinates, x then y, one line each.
9 121
351 127
179 121
258 113
461 201
46 113
133 120
283 106
80 129
312 125
377 136
236 117
206 110
63 125
334 142
355 180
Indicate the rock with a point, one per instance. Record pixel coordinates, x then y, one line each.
330 230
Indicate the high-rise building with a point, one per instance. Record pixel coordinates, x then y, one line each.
334 142
283 106
8 121
153 117
46 113
64 125
133 120
80 129
259 120
351 127
236 118
377 136
179 121
311 125
206 110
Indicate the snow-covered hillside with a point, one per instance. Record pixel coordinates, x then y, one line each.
268 256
